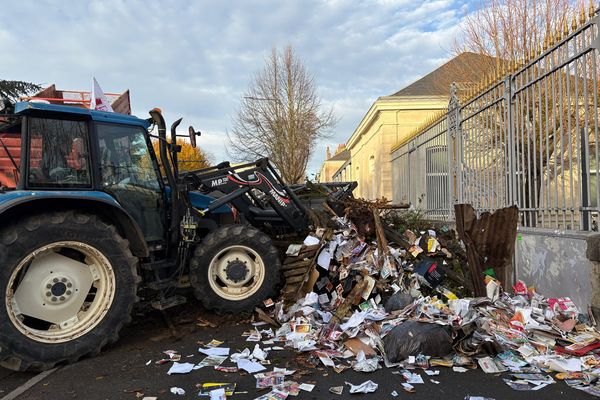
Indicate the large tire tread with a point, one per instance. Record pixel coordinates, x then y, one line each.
24 233
228 236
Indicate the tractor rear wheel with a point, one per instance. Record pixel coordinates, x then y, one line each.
234 269
67 285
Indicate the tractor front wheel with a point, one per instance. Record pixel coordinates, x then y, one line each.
67 285
234 269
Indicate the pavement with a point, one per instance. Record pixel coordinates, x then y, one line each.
120 371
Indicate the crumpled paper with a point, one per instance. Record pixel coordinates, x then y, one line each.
365 387
364 364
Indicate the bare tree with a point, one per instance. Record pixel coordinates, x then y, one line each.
281 117
513 29
551 98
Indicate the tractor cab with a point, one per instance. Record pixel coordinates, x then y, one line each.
80 150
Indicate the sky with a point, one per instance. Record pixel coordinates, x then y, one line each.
195 59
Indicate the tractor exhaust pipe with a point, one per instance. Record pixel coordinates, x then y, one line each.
159 121
174 147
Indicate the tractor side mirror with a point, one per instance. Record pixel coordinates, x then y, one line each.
193 135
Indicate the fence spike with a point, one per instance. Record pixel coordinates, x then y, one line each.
592 10
574 24
582 15
565 27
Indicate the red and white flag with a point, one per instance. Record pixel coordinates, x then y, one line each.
98 99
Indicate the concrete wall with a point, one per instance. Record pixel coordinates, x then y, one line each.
561 265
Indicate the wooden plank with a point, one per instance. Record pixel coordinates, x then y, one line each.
297 271
295 279
299 264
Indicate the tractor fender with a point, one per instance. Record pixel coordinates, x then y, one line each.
21 203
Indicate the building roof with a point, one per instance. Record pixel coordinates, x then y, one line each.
344 165
466 67
341 156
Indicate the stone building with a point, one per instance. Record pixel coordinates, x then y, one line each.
332 163
392 118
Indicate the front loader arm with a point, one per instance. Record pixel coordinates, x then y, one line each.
249 186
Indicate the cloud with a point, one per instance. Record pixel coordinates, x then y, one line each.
196 58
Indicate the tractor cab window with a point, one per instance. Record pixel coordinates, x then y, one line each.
129 173
58 153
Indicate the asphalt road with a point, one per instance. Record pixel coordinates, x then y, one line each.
120 372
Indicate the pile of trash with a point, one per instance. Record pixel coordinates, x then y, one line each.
387 289
384 297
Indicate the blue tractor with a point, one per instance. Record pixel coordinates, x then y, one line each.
95 215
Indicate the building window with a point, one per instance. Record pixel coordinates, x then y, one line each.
373 177
437 178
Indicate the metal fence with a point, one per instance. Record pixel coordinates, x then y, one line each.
421 166
529 138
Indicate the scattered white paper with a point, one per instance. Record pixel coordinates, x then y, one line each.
259 354
149 362
408 386
323 298
310 299
307 310
326 360
365 387
431 372
235 357
355 320
293 249
412 378
217 394
325 315
324 259
394 393
306 387
565 364
178 391
180 368
459 369
250 366
489 366
285 371
215 351
311 240
306 345
210 361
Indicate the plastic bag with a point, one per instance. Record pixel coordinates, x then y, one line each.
398 301
412 338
